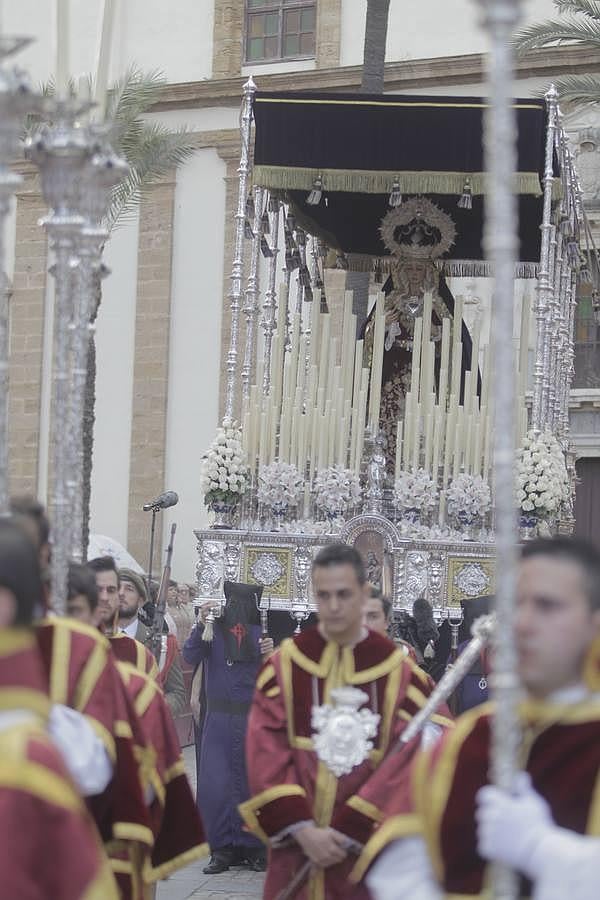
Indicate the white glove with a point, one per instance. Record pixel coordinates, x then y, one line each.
84 754
511 827
403 870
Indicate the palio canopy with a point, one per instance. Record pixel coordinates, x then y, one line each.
360 146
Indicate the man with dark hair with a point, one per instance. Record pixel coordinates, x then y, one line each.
42 816
82 594
126 649
556 799
328 710
132 596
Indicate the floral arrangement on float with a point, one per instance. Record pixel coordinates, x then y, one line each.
336 490
280 487
468 499
224 476
415 495
542 481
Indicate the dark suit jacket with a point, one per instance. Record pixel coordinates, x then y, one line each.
175 694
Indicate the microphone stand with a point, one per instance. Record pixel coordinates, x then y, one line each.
155 509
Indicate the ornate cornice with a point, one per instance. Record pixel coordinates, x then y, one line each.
399 76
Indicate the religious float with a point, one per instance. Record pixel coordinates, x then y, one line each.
372 423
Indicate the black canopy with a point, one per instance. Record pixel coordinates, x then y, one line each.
360 145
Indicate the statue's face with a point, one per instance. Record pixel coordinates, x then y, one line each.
343 734
415 273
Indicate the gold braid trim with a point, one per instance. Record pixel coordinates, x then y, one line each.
156 873
249 810
90 675
392 829
104 886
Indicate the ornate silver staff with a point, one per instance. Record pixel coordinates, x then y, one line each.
16 100
500 18
270 312
104 170
250 308
237 266
61 152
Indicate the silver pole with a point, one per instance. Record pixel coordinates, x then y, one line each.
16 100
500 19
250 308
61 153
544 290
237 266
269 320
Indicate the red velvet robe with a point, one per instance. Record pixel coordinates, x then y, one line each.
178 831
50 846
81 673
561 752
289 784
128 650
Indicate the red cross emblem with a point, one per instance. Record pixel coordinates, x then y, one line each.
239 632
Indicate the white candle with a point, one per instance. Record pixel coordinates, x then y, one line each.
377 366
442 511
437 438
475 363
445 355
103 57
62 47
416 357
427 307
362 406
398 468
416 437
428 442
524 343
262 450
457 346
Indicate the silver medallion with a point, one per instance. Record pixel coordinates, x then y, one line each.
343 732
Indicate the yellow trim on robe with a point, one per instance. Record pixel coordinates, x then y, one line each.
365 807
123 729
90 675
104 886
541 713
68 624
444 721
105 736
38 780
418 671
25 698
174 771
387 714
250 808
157 873
59 671
413 693
145 696
130 831
392 829
15 640
267 674
593 822
273 692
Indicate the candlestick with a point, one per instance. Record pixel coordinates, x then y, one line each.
62 47
103 57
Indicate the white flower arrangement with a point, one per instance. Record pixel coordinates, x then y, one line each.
336 490
415 490
468 497
280 485
542 480
224 468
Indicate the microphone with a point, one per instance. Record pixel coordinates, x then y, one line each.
163 501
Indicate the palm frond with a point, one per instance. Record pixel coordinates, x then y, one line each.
590 8
582 33
582 90
152 151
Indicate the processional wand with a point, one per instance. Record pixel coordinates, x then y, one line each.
500 18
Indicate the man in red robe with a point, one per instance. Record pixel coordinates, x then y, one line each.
50 846
461 823
329 707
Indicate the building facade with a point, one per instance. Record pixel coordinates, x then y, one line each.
162 329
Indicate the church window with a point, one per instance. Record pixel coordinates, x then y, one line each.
280 29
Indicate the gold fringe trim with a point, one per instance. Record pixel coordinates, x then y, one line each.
364 181
152 874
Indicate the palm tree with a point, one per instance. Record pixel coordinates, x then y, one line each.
152 150
578 25
376 26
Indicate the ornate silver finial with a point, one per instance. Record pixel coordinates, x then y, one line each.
343 732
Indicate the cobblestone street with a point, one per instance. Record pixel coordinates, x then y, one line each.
236 884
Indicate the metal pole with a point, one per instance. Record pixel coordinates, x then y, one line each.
500 19
250 308
16 99
269 320
237 266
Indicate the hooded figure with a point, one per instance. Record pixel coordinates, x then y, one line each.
230 663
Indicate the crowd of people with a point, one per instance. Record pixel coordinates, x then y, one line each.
304 764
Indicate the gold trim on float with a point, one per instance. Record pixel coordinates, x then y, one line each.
455 104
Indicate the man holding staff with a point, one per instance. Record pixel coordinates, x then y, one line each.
330 704
462 822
